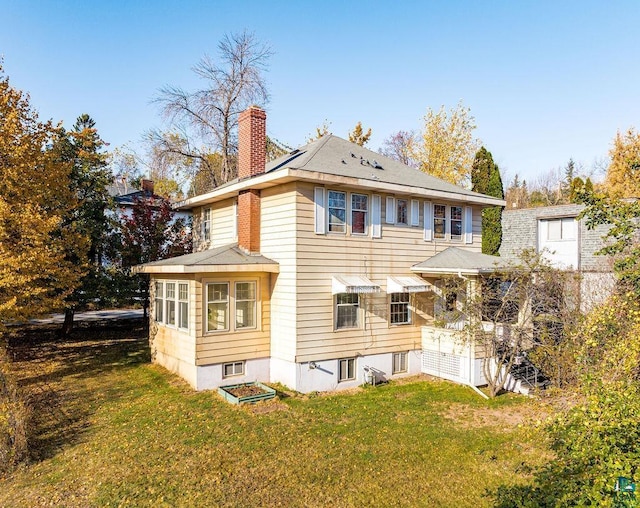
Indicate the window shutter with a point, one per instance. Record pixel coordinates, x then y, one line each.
376 216
235 219
428 221
468 224
415 212
390 218
318 198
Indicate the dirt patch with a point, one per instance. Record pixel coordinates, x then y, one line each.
245 391
505 418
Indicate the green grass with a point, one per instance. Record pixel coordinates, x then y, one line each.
113 430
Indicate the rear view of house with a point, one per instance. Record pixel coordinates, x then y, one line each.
313 270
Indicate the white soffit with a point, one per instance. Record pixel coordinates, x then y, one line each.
406 285
352 284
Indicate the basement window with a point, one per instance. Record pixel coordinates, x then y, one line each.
346 369
232 369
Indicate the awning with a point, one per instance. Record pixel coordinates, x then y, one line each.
352 284
406 285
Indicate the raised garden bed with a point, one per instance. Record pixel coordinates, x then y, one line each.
244 393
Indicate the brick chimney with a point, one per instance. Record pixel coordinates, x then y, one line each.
147 186
252 142
252 156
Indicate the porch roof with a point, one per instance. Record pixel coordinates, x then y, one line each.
228 258
454 260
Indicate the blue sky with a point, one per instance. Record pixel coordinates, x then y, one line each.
545 80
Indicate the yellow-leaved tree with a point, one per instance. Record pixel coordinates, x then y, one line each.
41 261
446 146
623 173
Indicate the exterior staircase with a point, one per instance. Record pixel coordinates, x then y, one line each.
525 377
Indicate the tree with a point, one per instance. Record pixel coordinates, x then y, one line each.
321 131
149 233
623 173
446 146
486 179
398 147
89 181
358 136
37 272
622 238
508 311
37 242
206 120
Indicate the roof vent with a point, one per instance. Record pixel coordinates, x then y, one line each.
376 164
353 155
294 152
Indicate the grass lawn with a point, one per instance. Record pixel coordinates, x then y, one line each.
110 429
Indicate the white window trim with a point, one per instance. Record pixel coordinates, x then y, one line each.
231 306
358 313
407 303
366 217
461 220
233 366
176 302
255 305
446 222
346 213
206 224
347 360
405 359
407 212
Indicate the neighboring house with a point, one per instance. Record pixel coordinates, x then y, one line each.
565 242
318 270
126 198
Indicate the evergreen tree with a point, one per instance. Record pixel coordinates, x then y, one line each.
89 180
486 179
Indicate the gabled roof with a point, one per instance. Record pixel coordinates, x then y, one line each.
331 160
228 258
454 260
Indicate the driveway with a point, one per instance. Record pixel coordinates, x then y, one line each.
94 315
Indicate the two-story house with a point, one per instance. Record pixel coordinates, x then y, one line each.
317 270
564 240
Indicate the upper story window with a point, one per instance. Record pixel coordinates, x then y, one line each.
337 211
439 221
206 224
359 213
561 229
456 222
402 212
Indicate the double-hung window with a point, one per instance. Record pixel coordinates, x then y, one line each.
217 306
159 302
399 313
337 212
245 295
439 221
183 305
347 310
206 224
359 213
456 222
171 303
402 214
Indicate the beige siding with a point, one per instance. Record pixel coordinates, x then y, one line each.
321 256
278 242
223 225
232 345
170 340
